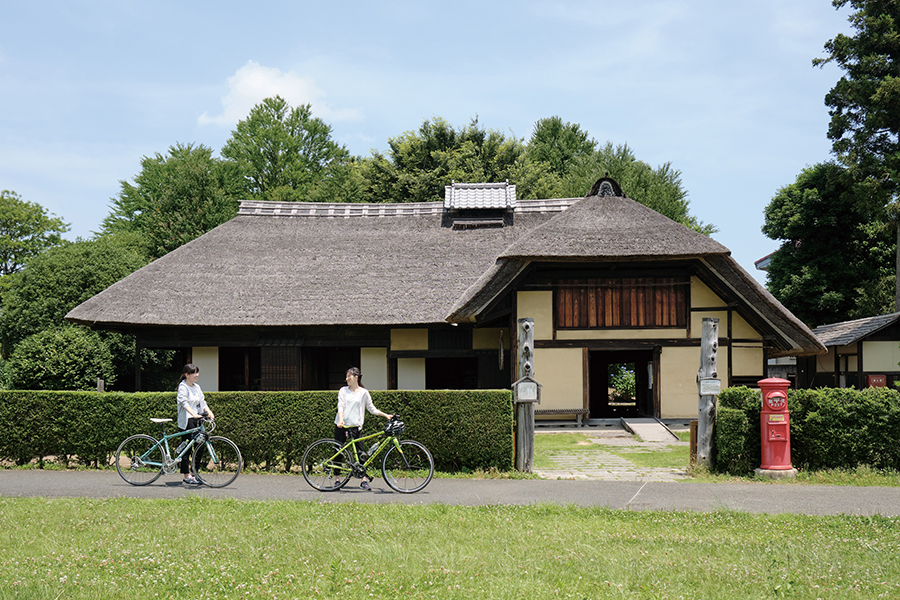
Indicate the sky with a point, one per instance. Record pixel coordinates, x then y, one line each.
723 91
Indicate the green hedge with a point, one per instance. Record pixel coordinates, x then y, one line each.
831 428
463 429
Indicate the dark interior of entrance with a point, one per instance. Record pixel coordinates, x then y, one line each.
326 368
621 384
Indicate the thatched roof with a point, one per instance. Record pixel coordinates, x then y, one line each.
612 228
295 264
301 264
616 228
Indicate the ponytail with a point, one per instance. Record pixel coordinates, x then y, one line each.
187 370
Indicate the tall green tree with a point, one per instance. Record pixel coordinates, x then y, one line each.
41 295
282 152
835 261
175 198
419 164
342 181
660 189
561 161
26 230
558 144
865 104
61 278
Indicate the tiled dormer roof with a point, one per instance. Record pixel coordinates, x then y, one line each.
466 196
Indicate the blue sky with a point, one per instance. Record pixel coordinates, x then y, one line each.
724 91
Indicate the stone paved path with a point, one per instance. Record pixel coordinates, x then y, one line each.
599 464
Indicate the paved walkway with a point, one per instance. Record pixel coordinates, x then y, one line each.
600 464
771 498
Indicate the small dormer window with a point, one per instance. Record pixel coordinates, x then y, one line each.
479 205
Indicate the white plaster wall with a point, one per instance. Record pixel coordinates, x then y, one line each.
678 373
207 358
374 366
537 306
411 373
880 356
560 372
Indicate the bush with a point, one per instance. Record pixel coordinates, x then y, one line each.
737 437
61 358
463 429
622 380
831 428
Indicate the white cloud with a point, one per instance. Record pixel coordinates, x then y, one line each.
253 83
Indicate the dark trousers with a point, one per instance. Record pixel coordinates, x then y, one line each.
186 461
342 433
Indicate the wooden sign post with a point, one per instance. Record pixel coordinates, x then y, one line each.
708 387
526 391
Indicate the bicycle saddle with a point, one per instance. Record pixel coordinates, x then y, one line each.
160 420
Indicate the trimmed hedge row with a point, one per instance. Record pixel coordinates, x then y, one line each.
831 428
470 429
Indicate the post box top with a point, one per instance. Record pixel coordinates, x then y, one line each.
774 382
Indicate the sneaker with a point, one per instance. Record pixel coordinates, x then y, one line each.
190 480
365 485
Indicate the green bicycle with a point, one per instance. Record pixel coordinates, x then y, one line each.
215 460
407 465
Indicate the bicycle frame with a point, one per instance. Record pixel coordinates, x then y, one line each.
382 446
163 442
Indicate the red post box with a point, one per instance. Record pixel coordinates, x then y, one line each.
775 429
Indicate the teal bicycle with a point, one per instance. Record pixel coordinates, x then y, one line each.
407 465
215 460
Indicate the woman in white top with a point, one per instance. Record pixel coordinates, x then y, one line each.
191 408
353 402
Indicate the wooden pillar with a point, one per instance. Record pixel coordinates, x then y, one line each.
837 368
709 345
246 368
525 410
137 363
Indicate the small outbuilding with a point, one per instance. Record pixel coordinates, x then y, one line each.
861 353
287 296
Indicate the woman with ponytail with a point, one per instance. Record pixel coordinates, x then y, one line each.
353 398
192 408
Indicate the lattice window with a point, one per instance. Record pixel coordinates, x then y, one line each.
647 302
280 368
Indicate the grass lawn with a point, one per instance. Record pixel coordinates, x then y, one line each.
200 548
573 443
678 457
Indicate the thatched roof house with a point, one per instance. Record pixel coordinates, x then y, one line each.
423 293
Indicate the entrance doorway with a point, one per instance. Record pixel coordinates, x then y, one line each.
621 383
326 368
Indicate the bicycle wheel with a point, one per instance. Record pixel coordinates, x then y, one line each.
139 460
217 462
325 467
408 469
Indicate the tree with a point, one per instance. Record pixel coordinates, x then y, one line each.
62 277
834 263
342 181
865 104
25 231
59 279
659 189
175 198
558 144
421 163
61 358
282 152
